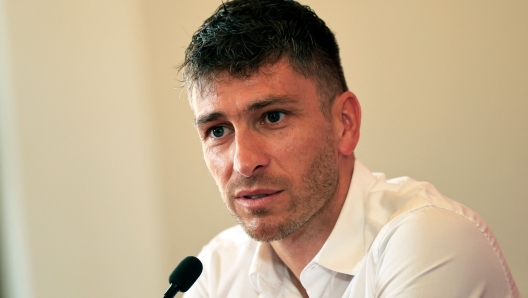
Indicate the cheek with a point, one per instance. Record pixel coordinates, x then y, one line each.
219 164
296 149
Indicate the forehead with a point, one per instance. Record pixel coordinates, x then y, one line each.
277 80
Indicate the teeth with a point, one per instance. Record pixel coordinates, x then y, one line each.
256 197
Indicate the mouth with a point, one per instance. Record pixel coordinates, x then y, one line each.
257 199
256 194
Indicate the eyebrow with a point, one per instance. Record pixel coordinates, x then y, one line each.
255 106
204 119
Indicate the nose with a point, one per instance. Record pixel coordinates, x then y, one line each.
250 156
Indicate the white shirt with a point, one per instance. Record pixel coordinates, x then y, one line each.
395 238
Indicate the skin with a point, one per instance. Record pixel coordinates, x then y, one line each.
282 167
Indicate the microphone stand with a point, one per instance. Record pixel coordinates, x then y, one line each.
171 291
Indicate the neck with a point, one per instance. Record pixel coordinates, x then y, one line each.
299 248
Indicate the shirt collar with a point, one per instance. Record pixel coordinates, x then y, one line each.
267 271
354 232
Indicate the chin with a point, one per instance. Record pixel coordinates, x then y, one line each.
263 231
266 234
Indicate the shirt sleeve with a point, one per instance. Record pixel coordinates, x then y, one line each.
432 252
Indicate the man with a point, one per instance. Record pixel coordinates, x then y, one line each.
279 129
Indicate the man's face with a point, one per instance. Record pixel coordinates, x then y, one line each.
269 148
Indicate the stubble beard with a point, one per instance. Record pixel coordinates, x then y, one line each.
308 200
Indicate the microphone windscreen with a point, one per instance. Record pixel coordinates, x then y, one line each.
186 273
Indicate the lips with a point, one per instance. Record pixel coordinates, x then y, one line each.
257 198
255 194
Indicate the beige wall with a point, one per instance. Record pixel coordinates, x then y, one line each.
103 186
82 131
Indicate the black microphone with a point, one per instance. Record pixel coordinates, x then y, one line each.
184 276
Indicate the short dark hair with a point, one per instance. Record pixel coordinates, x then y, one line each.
244 35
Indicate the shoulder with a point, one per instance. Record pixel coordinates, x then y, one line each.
232 244
444 245
226 263
429 217
432 224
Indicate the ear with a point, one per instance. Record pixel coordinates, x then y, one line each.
346 114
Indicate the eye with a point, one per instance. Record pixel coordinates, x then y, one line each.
217 131
274 116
